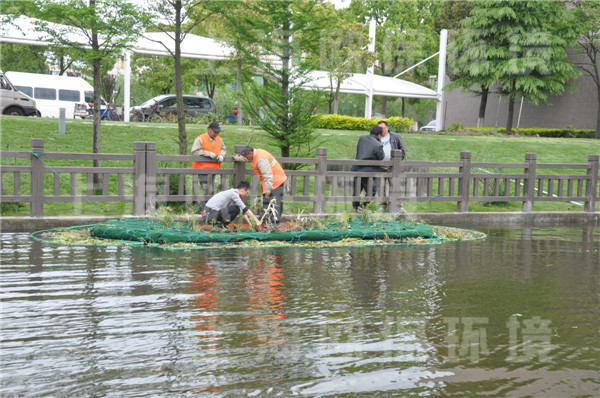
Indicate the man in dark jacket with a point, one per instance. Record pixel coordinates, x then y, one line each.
391 142
369 147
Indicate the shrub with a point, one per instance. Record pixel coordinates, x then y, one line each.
456 126
567 132
343 122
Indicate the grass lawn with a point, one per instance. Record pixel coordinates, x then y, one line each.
118 137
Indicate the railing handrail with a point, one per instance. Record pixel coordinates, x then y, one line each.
411 181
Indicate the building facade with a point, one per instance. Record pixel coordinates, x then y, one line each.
577 108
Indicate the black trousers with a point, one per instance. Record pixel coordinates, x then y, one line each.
276 195
220 217
364 185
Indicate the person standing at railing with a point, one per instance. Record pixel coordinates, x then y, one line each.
272 178
210 145
391 141
369 147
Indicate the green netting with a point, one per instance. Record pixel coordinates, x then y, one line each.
148 231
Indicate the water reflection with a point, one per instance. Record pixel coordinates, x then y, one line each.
452 319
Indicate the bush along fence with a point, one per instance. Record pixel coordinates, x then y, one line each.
146 178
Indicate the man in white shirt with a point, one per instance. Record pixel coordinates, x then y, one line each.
224 207
391 141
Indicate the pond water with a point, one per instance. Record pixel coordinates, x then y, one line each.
516 314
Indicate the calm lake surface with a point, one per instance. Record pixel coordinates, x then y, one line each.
516 314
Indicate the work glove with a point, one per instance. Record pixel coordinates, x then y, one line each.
212 155
220 158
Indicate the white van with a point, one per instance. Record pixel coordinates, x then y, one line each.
52 92
13 102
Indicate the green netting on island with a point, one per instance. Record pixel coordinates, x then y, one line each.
148 231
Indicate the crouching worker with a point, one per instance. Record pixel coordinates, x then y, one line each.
224 207
272 178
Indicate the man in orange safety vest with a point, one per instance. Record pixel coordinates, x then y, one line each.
272 178
210 145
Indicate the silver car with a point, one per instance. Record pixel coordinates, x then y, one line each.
429 126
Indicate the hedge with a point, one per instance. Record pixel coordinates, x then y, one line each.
342 122
544 132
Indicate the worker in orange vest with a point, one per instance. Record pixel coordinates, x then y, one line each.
210 145
272 178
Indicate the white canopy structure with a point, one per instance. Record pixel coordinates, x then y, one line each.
358 83
22 30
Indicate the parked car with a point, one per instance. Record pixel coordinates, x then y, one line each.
429 126
166 104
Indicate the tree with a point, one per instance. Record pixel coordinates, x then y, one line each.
404 36
23 58
264 31
93 31
211 75
587 14
461 50
470 57
342 52
109 88
155 74
521 45
172 18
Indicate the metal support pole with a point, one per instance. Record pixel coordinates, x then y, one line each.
439 112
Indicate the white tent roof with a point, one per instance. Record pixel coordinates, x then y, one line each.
193 46
358 83
22 30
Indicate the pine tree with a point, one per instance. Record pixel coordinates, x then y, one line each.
520 46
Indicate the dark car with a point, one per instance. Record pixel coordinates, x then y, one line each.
166 104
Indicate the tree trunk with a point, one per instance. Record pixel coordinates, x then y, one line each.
482 106
598 115
403 106
511 111
178 85
336 103
240 115
285 83
97 138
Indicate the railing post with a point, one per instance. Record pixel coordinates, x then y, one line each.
37 178
150 177
239 168
321 170
464 182
395 181
139 178
529 188
591 188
